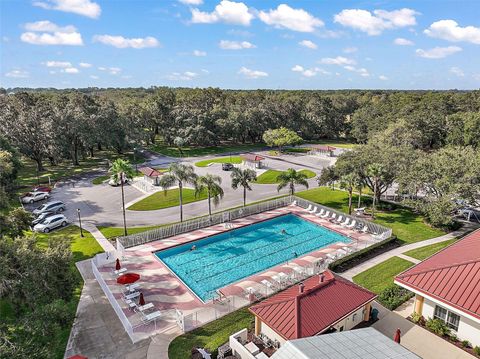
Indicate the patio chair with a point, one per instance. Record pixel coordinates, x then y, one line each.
132 287
120 271
131 296
352 225
326 214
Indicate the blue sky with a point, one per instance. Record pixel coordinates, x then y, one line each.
315 44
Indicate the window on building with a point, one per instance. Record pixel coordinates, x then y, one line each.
354 317
449 318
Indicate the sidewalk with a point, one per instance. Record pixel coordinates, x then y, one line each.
349 274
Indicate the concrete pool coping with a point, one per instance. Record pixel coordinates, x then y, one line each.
170 295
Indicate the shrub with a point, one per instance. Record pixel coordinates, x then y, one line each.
453 337
416 317
437 326
393 296
466 344
476 350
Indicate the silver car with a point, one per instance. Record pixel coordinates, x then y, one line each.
54 206
35 196
52 222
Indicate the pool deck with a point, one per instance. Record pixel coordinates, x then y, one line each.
167 293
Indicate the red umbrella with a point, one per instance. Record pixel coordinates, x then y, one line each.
141 301
78 357
128 278
396 338
117 265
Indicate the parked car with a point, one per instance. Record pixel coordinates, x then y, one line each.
54 206
227 166
42 217
52 222
42 189
31 197
115 182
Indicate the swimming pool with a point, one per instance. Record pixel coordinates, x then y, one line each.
225 258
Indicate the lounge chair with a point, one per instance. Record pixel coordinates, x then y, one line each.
348 249
320 214
147 318
309 208
283 277
144 308
298 271
294 203
313 210
345 222
332 217
333 256
338 220
277 279
252 291
120 271
352 225
132 287
268 285
364 229
131 296
326 214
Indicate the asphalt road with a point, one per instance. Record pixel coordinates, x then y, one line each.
101 204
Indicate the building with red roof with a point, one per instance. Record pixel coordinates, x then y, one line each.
150 175
447 287
252 160
323 303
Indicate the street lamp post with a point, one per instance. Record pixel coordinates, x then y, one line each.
80 222
135 159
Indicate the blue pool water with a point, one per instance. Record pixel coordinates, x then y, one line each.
225 258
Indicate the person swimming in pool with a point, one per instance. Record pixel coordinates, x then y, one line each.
295 254
284 231
194 247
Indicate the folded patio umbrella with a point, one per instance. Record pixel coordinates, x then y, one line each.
396 338
141 301
117 265
128 278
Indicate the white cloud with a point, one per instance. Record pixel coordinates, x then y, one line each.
229 12
18 74
123 42
402 42
48 26
82 7
47 33
378 21
252 74
111 70
191 2
450 31
309 44
235 45
339 60
95 77
71 70
84 64
383 77
199 53
350 50
285 17
457 71
438 52
184 76
361 71
309 72
62 64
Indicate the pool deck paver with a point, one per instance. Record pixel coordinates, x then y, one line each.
162 288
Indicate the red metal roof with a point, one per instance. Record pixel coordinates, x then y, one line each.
452 275
253 157
296 315
149 172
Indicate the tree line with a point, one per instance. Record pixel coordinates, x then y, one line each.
69 124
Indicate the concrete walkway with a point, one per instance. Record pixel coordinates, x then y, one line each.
415 338
349 274
100 238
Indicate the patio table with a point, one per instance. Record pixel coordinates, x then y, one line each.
252 348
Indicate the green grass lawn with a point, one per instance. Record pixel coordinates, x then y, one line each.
427 251
100 179
160 199
211 335
381 276
112 232
408 226
172 151
27 176
270 176
230 159
335 143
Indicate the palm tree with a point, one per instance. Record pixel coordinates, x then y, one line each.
243 178
122 171
359 184
375 171
290 178
211 184
180 174
348 182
